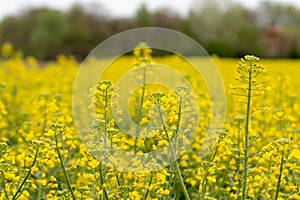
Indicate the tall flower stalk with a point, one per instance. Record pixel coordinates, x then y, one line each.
143 60
249 70
101 103
158 102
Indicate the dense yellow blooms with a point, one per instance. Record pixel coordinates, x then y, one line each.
36 111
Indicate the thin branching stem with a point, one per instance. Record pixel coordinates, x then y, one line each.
148 190
205 181
239 155
181 182
246 142
280 175
105 196
19 191
140 110
63 167
103 173
171 168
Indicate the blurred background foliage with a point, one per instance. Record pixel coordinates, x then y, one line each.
226 29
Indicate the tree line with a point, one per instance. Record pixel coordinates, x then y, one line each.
226 29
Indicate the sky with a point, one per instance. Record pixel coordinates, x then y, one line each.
118 8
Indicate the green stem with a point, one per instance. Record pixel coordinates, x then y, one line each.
170 181
269 176
19 191
246 145
204 182
187 197
105 196
63 167
171 169
140 110
103 174
239 156
280 174
149 184
105 119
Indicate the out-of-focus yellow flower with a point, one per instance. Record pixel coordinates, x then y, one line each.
41 182
94 163
211 179
7 50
